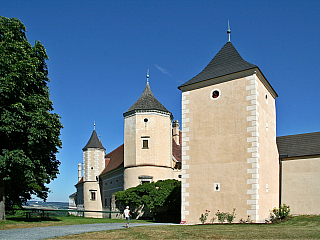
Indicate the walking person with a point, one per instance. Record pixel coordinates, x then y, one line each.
127 215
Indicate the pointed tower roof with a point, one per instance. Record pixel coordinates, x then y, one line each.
225 66
227 61
147 103
94 142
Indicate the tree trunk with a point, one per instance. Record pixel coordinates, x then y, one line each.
2 200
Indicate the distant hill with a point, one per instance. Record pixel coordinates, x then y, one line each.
50 205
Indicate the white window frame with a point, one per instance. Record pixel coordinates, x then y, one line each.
216 89
145 139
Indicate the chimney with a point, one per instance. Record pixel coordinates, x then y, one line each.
176 131
79 172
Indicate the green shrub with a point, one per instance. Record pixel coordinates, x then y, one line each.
221 216
204 216
280 214
231 216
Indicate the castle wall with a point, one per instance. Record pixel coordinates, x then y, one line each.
131 175
92 199
267 165
93 163
156 130
300 184
220 151
111 183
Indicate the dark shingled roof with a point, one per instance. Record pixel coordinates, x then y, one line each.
146 102
94 142
227 61
299 145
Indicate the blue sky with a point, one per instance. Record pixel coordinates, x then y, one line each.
99 52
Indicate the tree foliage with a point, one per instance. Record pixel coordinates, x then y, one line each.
29 131
158 197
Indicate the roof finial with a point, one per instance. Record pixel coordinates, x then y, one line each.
229 31
94 124
148 75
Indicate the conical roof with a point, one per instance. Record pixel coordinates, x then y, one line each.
146 103
227 61
94 142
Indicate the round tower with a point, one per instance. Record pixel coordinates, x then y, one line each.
93 165
147 141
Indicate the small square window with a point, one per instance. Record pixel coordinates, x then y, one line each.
145 143
93 196
145 181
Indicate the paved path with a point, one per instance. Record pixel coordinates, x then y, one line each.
59 231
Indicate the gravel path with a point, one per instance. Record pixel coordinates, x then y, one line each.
59 231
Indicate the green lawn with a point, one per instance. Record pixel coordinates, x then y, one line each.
301 227
19 221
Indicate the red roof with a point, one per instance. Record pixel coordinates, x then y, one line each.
176 149
117 156
116 159
81 181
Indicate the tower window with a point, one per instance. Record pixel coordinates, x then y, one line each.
145 120
93 195
267 98
145 179
215 94
145 142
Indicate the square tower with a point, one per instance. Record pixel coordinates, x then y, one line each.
229 151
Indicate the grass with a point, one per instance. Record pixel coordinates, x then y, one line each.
19 221
300 227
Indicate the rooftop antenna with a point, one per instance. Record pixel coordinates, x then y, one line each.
229 31
148 75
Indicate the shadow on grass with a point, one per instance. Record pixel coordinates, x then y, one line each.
23 219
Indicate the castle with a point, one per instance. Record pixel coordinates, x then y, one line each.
226 155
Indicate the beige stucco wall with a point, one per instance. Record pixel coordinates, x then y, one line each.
300 185
131 175
93 163
221 144
177 174
268 162
89 204
158 131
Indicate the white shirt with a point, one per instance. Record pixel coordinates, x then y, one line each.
126 212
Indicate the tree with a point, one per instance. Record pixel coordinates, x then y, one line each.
162 197
29 131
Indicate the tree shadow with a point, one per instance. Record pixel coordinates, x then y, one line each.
34 219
